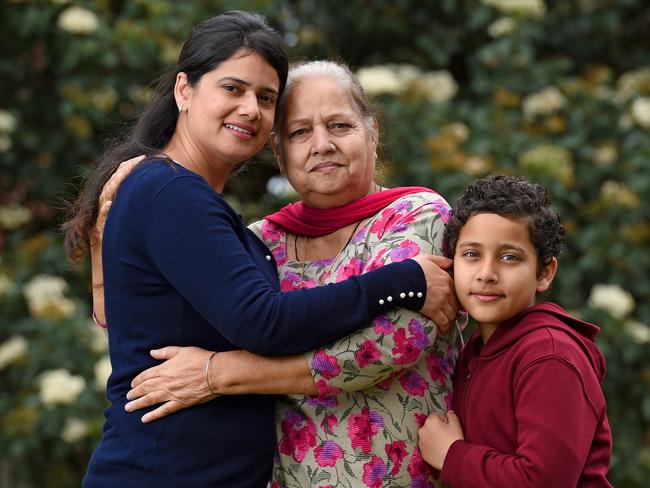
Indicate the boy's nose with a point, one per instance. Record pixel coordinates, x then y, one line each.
487 273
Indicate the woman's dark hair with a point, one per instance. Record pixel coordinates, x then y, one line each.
513 197
209 44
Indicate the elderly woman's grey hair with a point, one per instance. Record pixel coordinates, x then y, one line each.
344 76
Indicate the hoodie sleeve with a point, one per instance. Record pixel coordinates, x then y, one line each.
556 422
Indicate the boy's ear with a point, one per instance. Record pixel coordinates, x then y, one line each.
546 276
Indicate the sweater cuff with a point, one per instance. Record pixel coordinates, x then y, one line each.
452 467
395 285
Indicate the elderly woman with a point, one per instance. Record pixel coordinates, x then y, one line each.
353 408
181 268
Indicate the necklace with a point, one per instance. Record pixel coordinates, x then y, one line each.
327 269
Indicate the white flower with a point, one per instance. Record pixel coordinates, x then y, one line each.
13 216
543 102
279 186
407 73
633 83
525 8
611 298
5 143
625 121
501 27
377 80
98 338
458 130
640 111
78 20
605 155
12 349
476 165
619 193
7 121
638 331
74 430
45 297
102 372
104 98
58 386
437 86
5 284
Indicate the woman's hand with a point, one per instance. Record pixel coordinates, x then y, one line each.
441 304
178 383
181 380
96 235
436 437
107 195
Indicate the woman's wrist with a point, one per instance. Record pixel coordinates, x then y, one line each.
102 324
207 373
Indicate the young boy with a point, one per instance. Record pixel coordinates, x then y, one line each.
527 388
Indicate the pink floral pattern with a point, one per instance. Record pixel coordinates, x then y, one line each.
377 386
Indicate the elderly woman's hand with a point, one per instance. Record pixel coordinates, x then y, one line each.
96 234
177 383
440 305
108 195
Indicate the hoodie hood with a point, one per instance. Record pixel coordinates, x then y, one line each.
548 315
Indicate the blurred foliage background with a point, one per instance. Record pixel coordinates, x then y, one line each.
558 90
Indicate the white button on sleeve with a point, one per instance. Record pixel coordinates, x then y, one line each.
411 294
381 301
419 295
389 298
268 257
402 295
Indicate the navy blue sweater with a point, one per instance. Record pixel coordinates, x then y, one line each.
181 268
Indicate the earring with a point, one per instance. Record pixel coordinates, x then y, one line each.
180 108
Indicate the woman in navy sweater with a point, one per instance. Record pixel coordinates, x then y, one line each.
181 268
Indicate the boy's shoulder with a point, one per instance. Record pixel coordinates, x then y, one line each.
548 332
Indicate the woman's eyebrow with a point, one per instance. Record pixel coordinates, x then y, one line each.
246 83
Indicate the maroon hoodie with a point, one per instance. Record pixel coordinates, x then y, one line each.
531 406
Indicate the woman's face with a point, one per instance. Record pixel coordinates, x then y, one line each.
228 115
320 113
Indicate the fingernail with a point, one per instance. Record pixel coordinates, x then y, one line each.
127 407
145 419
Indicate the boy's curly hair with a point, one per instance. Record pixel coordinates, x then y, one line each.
513 197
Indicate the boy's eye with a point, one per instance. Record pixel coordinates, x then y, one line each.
470 254
510 257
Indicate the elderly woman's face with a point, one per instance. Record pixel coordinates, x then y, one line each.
325 148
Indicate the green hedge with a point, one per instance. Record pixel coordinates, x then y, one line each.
558 91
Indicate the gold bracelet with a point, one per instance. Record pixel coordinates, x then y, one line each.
207 372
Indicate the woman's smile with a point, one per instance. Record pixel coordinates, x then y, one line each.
241 131
326 167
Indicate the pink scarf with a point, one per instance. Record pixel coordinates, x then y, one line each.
301 220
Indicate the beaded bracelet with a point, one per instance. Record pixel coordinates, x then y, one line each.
207 373
96 320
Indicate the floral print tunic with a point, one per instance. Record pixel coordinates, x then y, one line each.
377 386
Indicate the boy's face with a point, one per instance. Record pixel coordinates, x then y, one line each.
495 268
